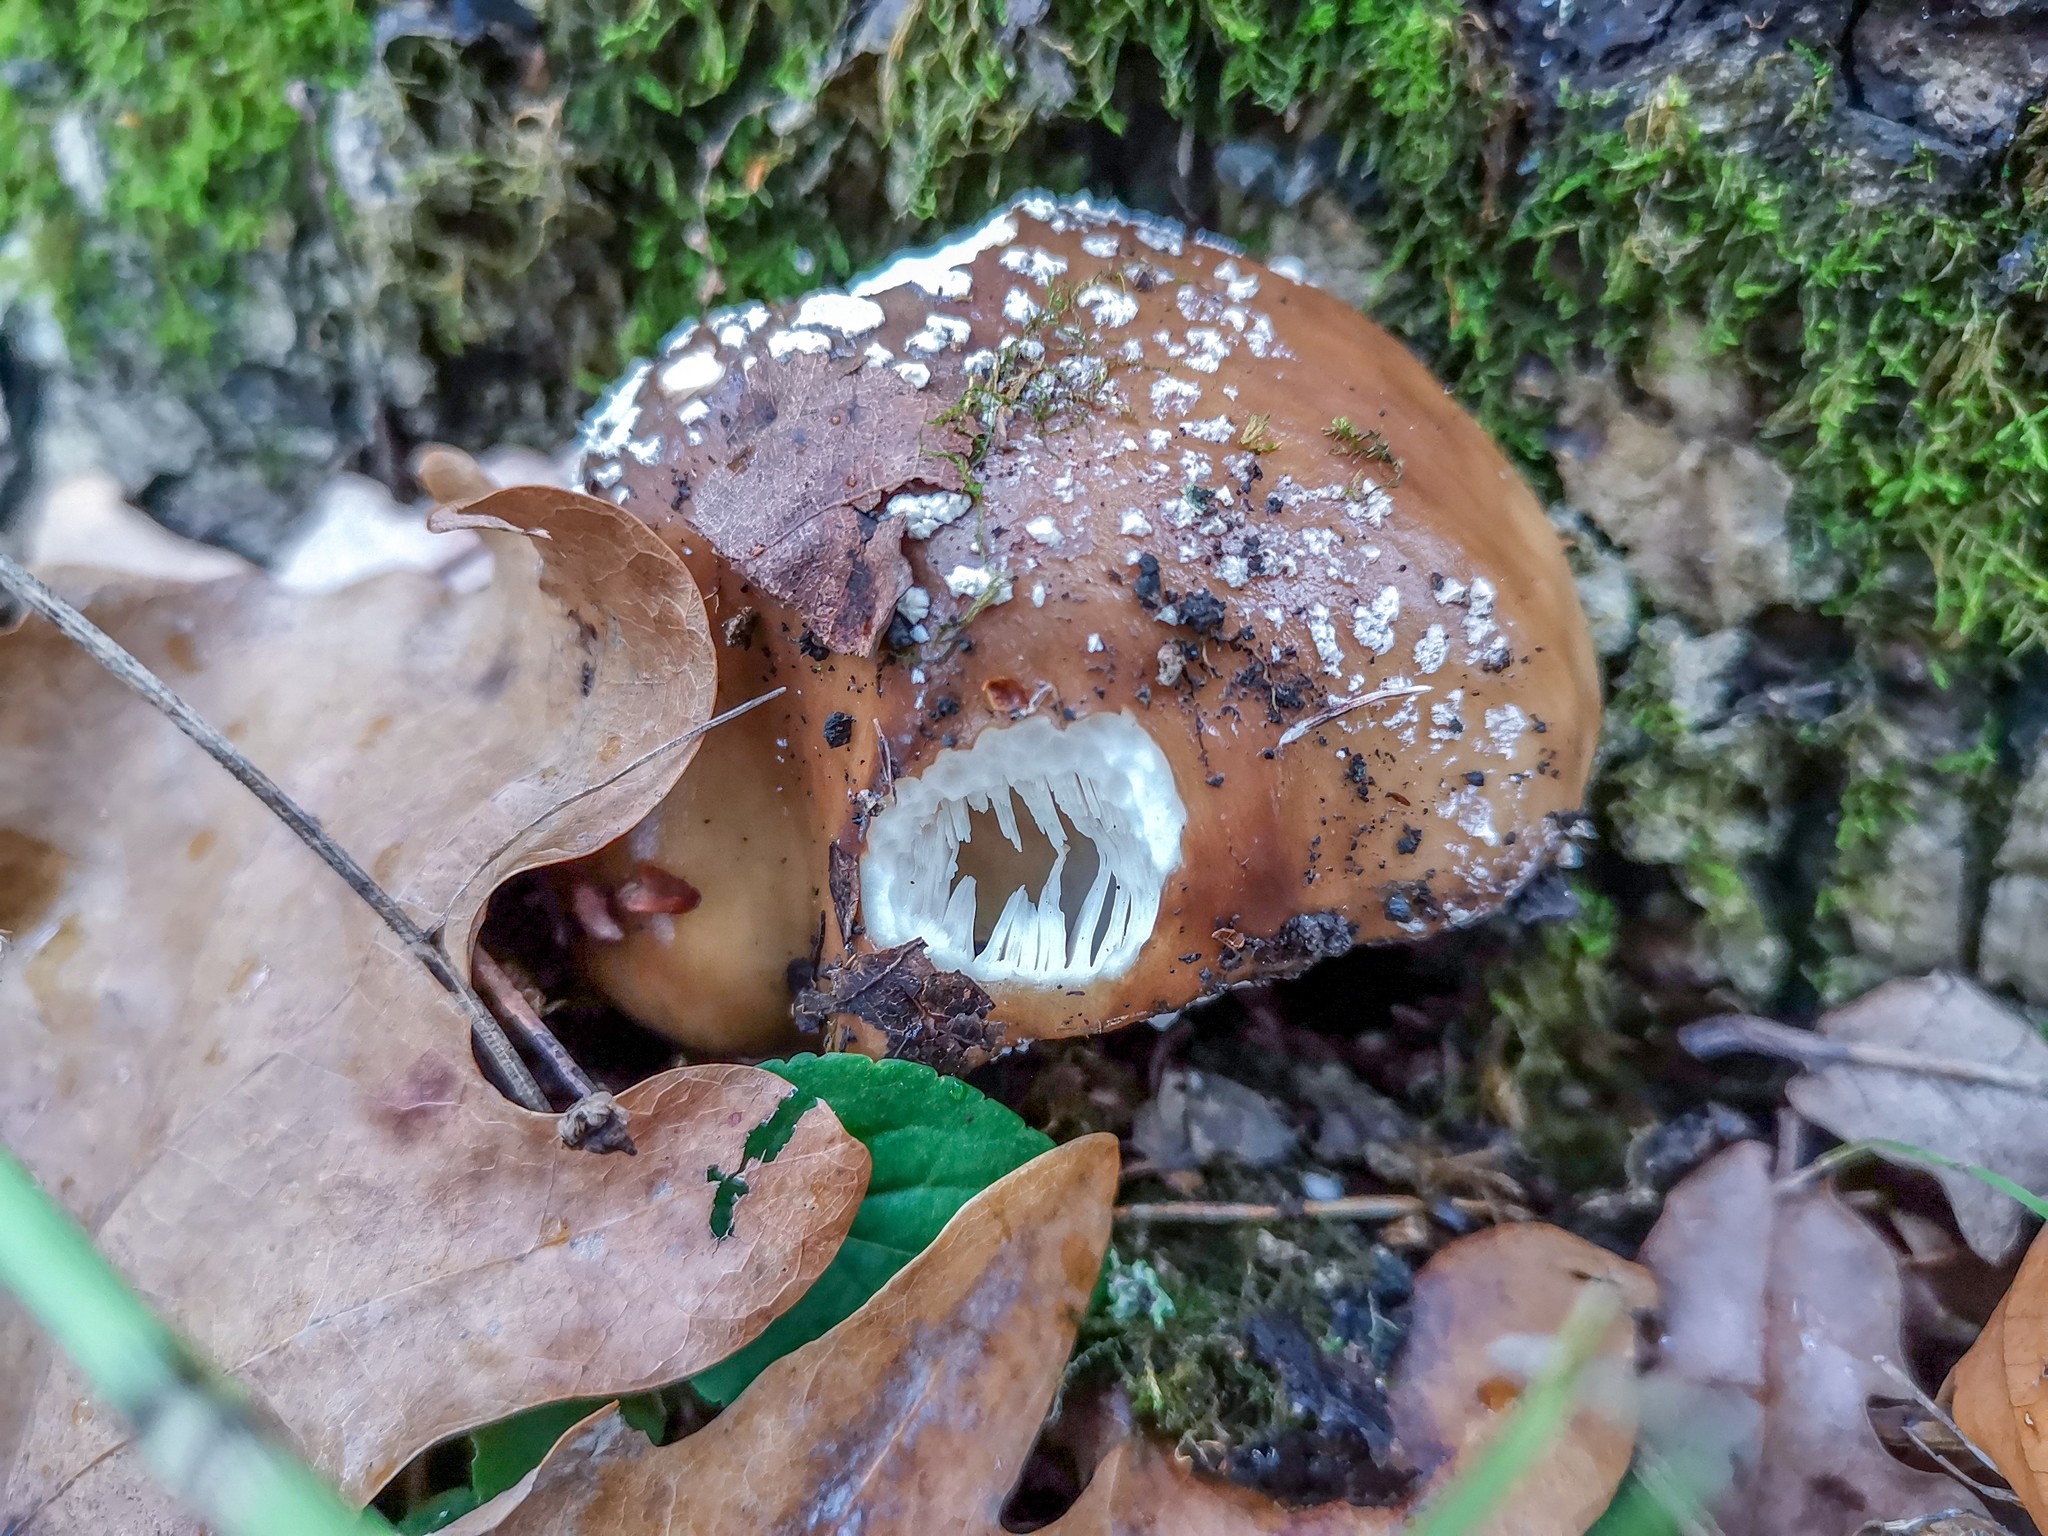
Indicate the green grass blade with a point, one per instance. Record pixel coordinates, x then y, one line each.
1906 1152
192 1424
1532 1429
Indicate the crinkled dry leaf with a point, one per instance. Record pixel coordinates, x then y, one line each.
1999 1390
897 999
1995 1127
260 1104
1778 1308
916 1414
789 481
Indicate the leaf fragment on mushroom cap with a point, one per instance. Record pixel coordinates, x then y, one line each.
788 471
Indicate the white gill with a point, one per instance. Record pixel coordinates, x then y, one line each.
1100 798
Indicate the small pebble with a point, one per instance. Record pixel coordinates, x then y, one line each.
1321 1186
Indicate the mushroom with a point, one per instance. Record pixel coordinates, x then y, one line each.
1150 621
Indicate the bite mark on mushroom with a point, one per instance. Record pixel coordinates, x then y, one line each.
1066 893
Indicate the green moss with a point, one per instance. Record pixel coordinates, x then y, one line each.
1171 1321
1708 800
1872 902
197 109
1184 1364
1873 806
1555 1062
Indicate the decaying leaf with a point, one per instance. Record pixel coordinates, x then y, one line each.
1999 1390
1778 1308
916 1414
897 999
791 476
1997 1127
259 1103
935 1143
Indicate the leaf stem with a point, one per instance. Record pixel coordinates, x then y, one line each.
1733 1033
508 1071
1226 1212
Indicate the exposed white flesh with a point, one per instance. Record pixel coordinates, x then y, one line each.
1102 777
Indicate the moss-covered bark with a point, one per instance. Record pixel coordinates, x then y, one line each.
637 159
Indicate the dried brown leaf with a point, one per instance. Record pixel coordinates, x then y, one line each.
916 1414
1999 1390
1778 1308
265 1111
795 466
1996 1127
913 1416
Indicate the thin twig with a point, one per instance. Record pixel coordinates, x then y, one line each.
1225 1212
1337 707
1898 1374
671 744
509 1072
1731 1033
518 1015
594 1120
1982 1489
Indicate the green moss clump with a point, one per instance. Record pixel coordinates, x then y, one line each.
1915 831
1707 798
201 117
1173 1321
1555 1058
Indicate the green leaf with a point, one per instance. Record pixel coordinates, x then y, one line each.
442 1509
506 1451
936 1143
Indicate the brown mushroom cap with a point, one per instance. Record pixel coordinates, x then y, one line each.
1087 505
